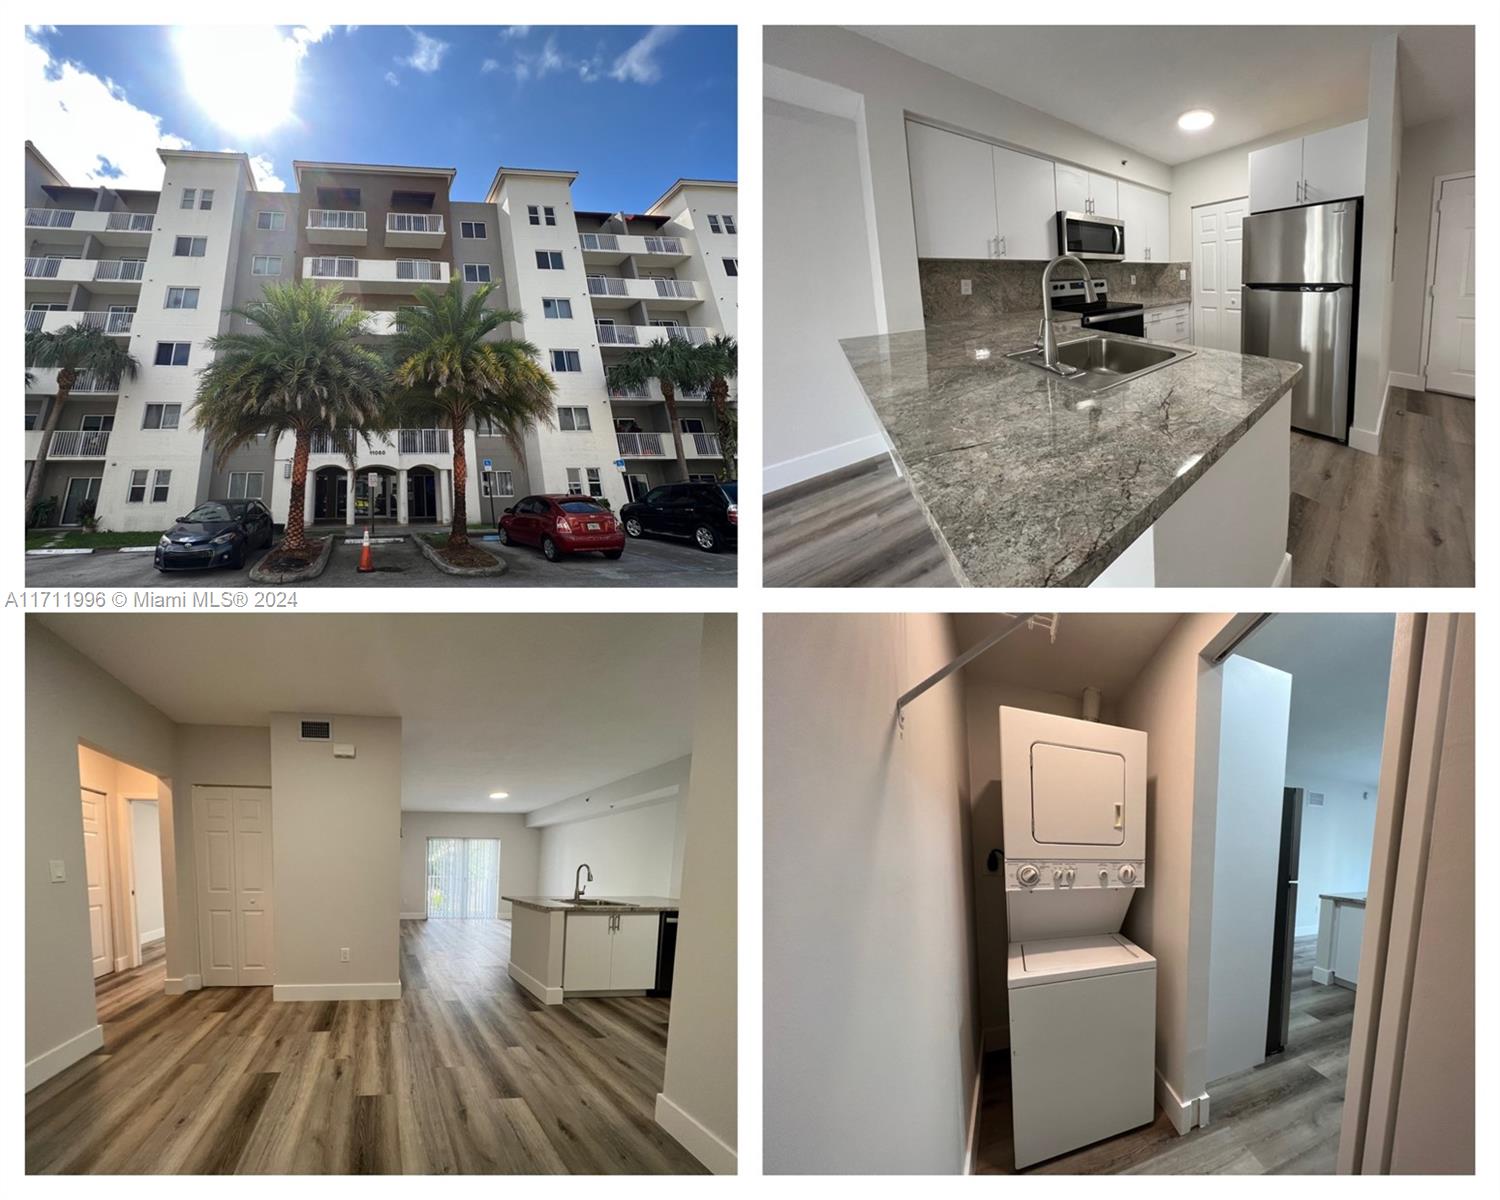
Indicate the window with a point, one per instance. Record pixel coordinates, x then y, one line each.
731 266
549 260
463 878
566 360
472 229
533 214
162 416
585 479
549 217
476 272
189 197
205 199
497 483
713 223
274 221
557 310
573 419
729 223
97 422
265 264
182 297
160 486
136 493
246 485
190 247
172 354
710 479
575 481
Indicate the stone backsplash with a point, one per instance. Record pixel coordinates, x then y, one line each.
1012 286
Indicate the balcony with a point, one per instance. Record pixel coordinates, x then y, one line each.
78 443
336 227
701 445
376 274
419 231
131 230
645 445
606 292
101 274
115 323
608 249
652 395
425 442
630 336
85 383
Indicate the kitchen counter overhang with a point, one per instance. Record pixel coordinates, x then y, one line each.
1031 481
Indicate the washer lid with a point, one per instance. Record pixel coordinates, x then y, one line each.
1056 959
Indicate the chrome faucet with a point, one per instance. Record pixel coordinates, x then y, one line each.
1046 339
578 887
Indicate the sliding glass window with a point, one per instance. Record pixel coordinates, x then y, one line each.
463 878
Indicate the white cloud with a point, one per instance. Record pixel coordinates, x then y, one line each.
264 170
88 128
489 64
638 64
514 31
393 79
549 60
304 36
426 53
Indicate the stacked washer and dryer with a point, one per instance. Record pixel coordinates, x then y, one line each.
1082 998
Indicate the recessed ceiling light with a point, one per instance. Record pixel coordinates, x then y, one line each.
1195 119
499 795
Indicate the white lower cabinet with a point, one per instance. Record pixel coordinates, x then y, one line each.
1171 324
610 952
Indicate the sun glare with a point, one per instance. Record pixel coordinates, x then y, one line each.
243 77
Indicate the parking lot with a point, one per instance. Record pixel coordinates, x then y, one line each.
646 563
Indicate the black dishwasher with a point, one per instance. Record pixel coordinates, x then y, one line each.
666 953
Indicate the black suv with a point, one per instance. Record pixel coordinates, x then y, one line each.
706 512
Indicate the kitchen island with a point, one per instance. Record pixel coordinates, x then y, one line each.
1341 931
561 947
1178 477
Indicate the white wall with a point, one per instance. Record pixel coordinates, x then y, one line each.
871 1025
1336 842
519 850
1255 711
145 832
1443 147
699 1100
337 837
631 853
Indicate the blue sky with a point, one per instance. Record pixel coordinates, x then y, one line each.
631 108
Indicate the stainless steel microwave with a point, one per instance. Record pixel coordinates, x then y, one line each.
1089 236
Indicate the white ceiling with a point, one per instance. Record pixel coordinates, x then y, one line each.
540 706
1340 666
1130 84
1102 650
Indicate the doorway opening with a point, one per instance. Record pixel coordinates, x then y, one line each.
421 494
463 878
330 495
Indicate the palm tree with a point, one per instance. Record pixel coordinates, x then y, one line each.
72 350
719 359
304 372
673 363
455 371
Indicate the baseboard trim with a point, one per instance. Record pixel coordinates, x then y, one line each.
414 916
62 1056
1369 440
182 985
776 476
153 935
1405 379
696 1138
123 963
971 1144
1284 572
1184 1114
547 995
336 991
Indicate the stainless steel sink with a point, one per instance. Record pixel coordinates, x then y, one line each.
1097 362
588 902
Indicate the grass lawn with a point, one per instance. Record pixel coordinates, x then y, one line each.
77 539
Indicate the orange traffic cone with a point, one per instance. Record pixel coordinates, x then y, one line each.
366 562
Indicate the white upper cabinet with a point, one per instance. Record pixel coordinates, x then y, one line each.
1322 166
1147 223
1104 196
1025 205
953 194
1085 192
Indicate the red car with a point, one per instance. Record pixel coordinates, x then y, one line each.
562 525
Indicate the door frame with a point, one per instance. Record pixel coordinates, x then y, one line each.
127 858
111 913
1428 279
72 479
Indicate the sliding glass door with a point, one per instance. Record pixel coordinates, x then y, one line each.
463 878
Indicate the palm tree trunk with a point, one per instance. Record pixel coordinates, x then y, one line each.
669 396
718 392
65 379
296 513
458 534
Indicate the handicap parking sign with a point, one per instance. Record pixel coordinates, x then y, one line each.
489 464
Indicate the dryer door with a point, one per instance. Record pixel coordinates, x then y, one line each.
1077 796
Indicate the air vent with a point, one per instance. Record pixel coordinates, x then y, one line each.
1315 799
317 731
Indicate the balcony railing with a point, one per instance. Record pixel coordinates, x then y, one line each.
632 393
413 223
407 441
603 285
643 445
422 441
594 241
702 445
663 245
119 269
78 443
108 322
680 289
334 268
43 266
418 268
327 443
51 218
335 218
644 335
617 335
630 243
89 221
132 222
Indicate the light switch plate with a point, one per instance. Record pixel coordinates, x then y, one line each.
344 954
343 750
57 871
1132 281
965 287
1181 274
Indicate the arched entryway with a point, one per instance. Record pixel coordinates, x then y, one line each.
379 499
421 494
330 495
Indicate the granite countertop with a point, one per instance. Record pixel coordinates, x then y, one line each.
1165 304
617 904
1344 897
1029 481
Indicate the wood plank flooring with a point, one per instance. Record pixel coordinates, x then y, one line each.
1400 518
466 1073
1281 1117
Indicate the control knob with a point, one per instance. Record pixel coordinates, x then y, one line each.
1127 874
1028 875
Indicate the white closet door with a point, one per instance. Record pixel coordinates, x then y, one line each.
96 881
1232 264
1450 355
1025 204
953 194
236 911
1208 298
252 885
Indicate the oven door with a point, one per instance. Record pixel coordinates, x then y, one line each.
1131 323
1090 237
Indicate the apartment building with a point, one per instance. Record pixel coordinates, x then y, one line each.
162 269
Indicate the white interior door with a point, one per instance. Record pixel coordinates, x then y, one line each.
232 841
96 878
1218 236
254 913
1450 354
1232 270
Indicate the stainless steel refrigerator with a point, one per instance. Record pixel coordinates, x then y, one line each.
1284 934
1301 291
